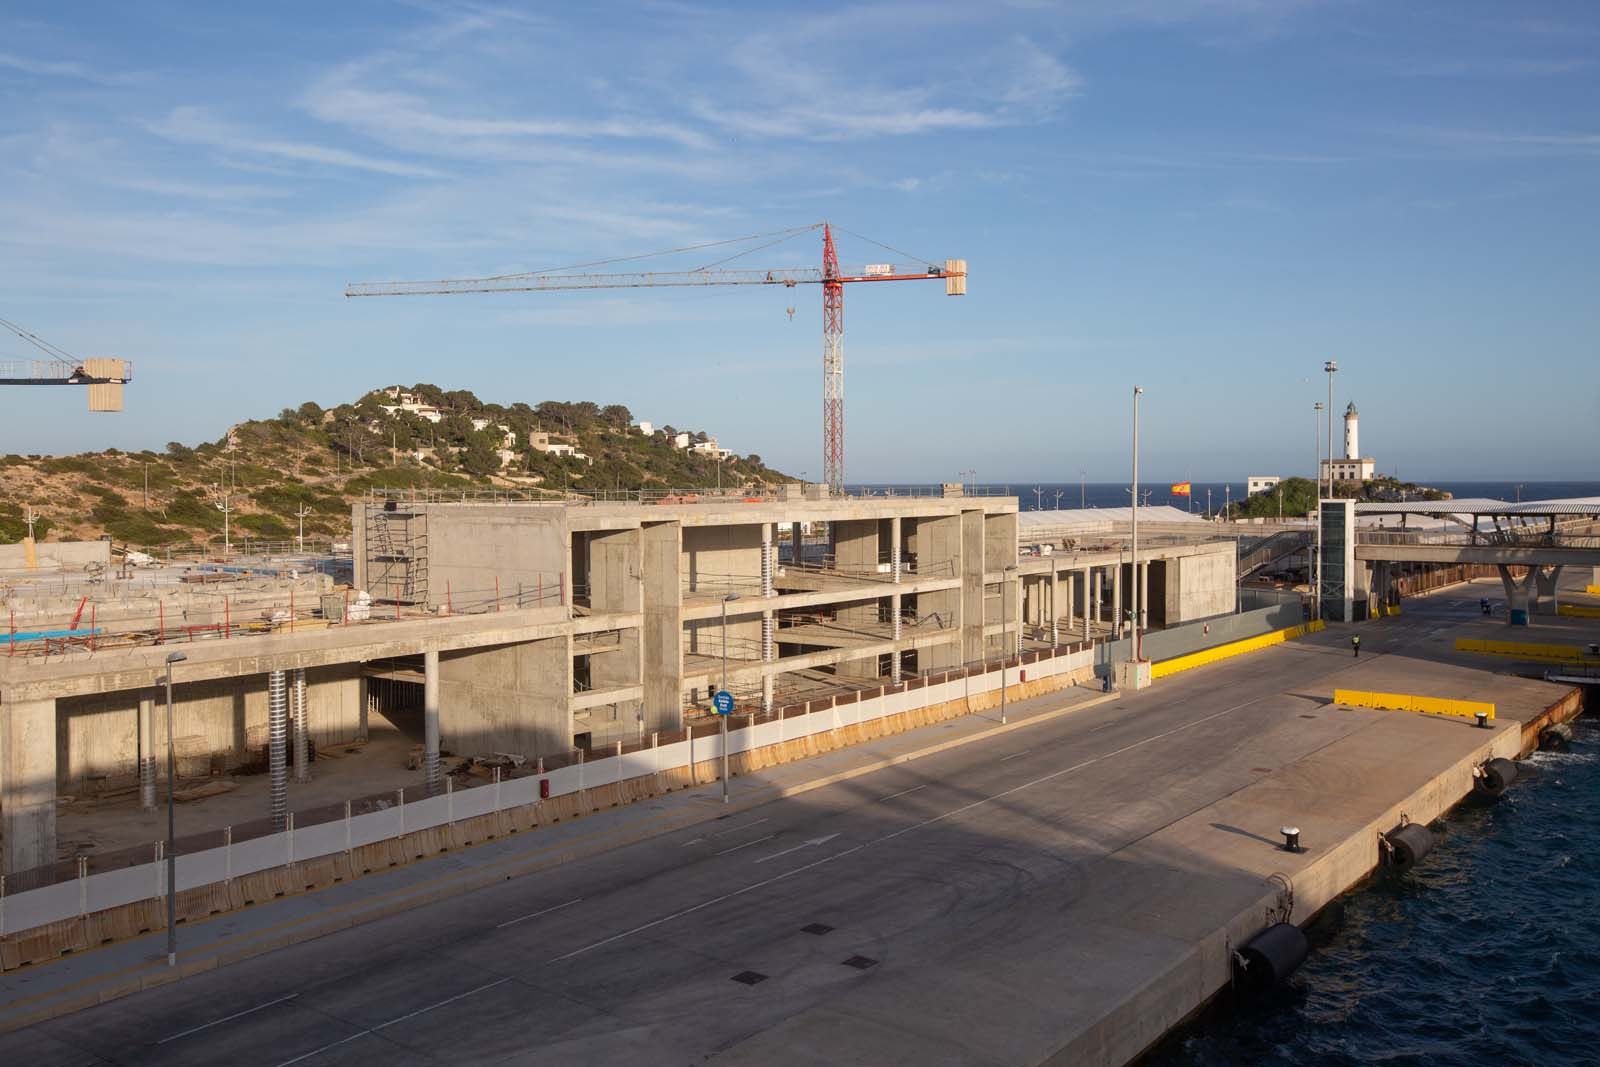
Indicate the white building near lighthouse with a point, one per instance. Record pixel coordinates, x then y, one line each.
1353 467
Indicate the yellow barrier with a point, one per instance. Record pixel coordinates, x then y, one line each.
1580 611
1233 648
1592 589
1525 650
1463 709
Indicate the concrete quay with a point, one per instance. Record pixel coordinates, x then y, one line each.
1065 889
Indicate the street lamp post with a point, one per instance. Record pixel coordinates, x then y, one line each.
725 602
172 824
1332 368
1007 646
1316 564
1133 552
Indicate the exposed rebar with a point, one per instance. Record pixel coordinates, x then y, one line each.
302 730
277 746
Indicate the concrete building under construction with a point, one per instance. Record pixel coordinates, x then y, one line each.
530 628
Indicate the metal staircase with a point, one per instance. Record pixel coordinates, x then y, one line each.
397 555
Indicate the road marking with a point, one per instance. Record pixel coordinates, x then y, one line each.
804 844
391 1022
227 1018
747 844
903 792
695 841
535 915
1068 770
742 826
700 906
753 886
1014 755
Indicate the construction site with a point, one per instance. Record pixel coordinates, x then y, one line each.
517 635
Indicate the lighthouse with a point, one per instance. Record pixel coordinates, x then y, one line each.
1352 467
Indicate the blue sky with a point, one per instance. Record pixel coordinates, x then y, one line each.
1206 197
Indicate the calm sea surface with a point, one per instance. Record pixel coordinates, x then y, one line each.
1486 953
1115 494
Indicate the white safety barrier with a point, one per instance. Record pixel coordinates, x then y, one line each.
99 892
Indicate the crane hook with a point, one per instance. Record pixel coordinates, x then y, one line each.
791 313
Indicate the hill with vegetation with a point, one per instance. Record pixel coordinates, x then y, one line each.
310 463
1299 496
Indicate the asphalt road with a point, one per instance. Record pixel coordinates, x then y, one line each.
908 915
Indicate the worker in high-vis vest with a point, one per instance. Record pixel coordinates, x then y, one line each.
1355 644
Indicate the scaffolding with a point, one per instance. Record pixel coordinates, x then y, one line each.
397 554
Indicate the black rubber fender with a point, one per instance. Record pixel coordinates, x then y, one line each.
1408 844
1272 956
1557 737
1497 776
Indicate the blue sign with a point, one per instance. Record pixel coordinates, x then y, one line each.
723 702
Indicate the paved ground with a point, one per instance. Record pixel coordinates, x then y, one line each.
986 904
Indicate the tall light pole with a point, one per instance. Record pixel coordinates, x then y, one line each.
1083 490
1332 368
1007 646
725 602
172 824
1133 552
1316 565
224 504
300 513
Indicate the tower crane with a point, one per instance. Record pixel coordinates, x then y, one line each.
104 377
830 276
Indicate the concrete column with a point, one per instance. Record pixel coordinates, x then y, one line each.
938 549
769 623
1055 607
1545 580
796 544
1518 594
430 720
1099 591
972 587
1083 589
663 626
302 729
1116 600
363 706
1144 595
147 752
28 784
277 748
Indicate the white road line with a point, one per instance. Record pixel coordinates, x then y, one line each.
227 1018
742 826
535 915
694 841
804 844
903 792
753 886
1014 755
747 844
391 1022
1068 770
701 906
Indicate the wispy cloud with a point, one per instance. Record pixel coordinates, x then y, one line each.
46 68
195 125
388 114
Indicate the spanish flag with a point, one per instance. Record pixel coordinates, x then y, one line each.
1180 489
